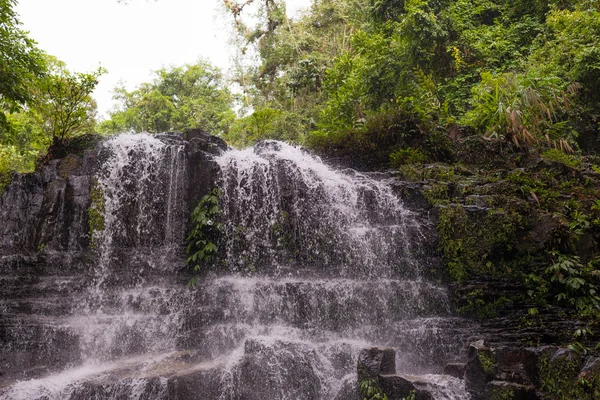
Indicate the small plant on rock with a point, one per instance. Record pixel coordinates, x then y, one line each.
201 247
370 390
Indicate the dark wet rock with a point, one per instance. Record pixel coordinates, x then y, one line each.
518 365
68 166
349 390
45 253
62 148
480 369
477 150
397 387
456 370
376 361
545 372
264 147
44 211
545 227
149 389
202 170
199 384
412 195
201 141
561 170
379 365
276 370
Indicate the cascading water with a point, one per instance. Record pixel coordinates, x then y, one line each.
315 264
141 185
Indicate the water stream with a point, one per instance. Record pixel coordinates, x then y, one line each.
315 264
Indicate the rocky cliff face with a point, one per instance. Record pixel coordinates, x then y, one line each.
49 258
315 267
314 264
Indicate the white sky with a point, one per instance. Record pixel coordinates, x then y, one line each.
130 40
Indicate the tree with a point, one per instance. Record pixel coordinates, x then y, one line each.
190 96
21 62
63 101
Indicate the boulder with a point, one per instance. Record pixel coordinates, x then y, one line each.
480 369
276 370
376 361
201 141
379 365
456 370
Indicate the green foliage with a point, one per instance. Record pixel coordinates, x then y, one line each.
521 111
476 245
266 123
201 248
524 71
558 156
63 102
21 62
41 100
575 284
12 160
406 156
370 390
190 96
477 305
558 377
488 362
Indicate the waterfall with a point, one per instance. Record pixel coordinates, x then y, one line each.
314 265
283 205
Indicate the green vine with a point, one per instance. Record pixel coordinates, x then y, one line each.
201 248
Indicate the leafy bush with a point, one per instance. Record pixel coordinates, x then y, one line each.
266 123
522 111
201 247
406 156
575 284
11 160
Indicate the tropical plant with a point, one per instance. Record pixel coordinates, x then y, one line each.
201 248
576 284
523 111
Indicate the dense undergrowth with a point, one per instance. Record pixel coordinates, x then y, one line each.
518 231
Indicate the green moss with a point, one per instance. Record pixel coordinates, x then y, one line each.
558 377
488 362
502 393
68 165
406 156
477 243
566 159
437 194
476 304
95 211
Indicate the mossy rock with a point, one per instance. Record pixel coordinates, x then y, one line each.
477 150
68 166
501 390
559 373
95 211
60 148
589 378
